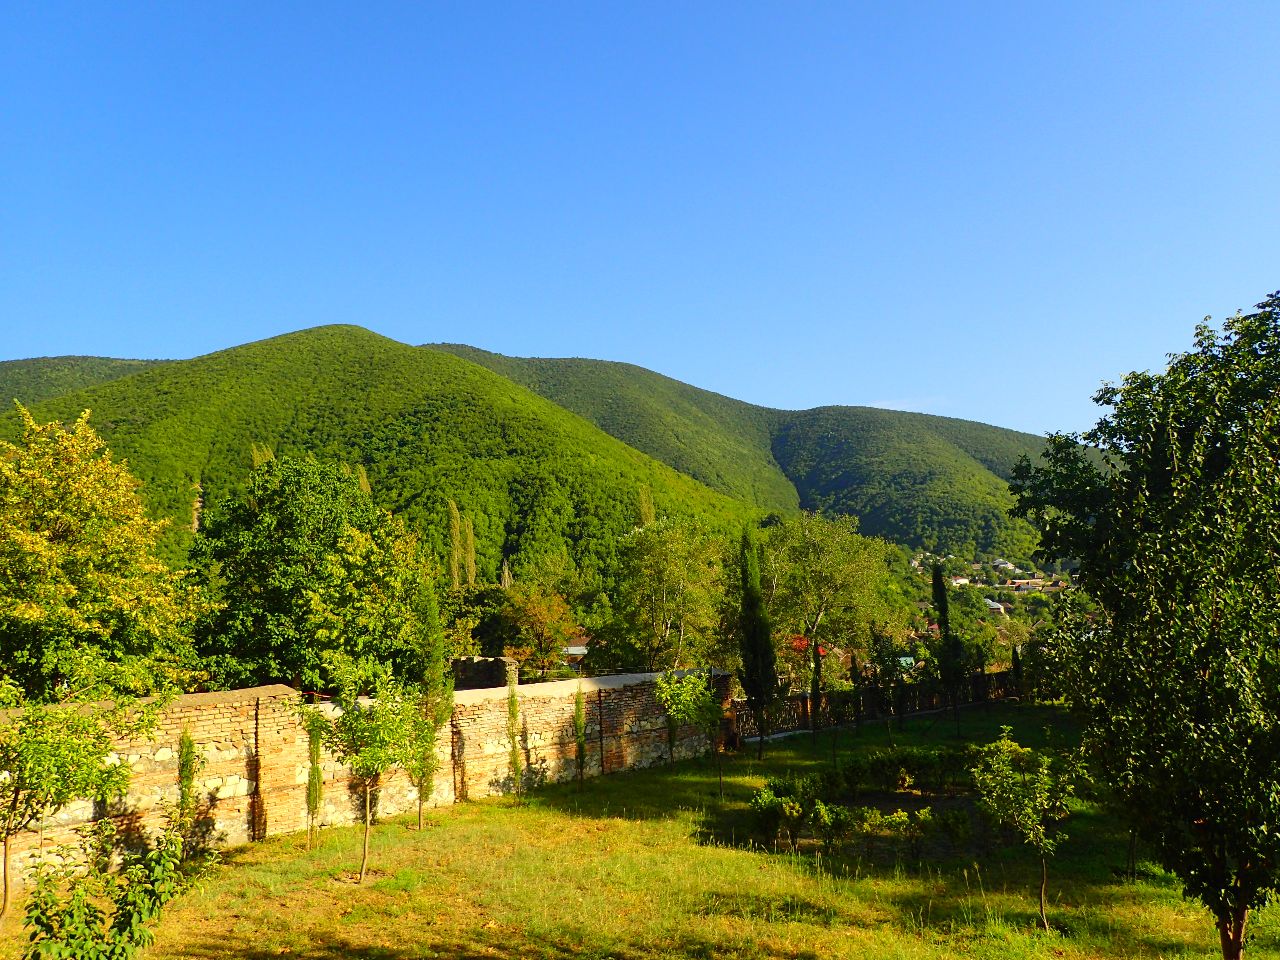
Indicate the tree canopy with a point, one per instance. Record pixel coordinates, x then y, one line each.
79 570
1177 536
306 566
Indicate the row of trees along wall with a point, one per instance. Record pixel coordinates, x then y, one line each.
253 783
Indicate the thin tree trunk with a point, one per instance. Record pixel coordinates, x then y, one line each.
719 767
760 735
1231 932
4 904
1044 883
364 858
1131 867
419 811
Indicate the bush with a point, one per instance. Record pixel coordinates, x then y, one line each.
766 811
832 823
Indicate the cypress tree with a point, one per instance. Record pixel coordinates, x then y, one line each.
951 658
759 674
469 550
455 546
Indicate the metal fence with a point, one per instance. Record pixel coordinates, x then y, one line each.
843 707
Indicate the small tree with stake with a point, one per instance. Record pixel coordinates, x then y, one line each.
1028 794
367 734
690 699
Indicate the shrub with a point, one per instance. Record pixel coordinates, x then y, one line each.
766 811
832 823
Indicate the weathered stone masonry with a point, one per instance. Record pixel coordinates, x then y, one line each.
254 781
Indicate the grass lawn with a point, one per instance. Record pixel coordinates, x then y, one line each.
651 864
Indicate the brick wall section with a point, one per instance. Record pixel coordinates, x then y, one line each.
626 729
254 781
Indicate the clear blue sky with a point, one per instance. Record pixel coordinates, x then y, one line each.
977 212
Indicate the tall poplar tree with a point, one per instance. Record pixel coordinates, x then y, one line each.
950 648
759 673
455 546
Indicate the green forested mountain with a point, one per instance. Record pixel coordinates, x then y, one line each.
902 477
509 440
427 426
914 478
722 442
30 381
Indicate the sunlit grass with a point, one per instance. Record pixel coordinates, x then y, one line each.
652 864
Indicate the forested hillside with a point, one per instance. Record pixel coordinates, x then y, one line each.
901 478
913 478
723 442
30 381
508 439
427 427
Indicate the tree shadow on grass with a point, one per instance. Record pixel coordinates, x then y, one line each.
497 944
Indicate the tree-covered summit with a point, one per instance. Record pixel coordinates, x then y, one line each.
427 427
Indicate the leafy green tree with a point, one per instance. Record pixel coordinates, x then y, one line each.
78 565
667 582
306 565
419 758
1176 674
429 716
689 699
885 656
52 754
759 671
82 907
1029 794
824 582
369 729
374 597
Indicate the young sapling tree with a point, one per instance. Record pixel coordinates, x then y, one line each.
1029 794
514 760
367 734
690 699
580 731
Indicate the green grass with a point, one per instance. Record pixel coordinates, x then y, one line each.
650 864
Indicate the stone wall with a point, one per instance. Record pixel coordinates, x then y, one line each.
254 780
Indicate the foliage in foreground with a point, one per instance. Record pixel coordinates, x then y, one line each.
649 865
82 908
1178 677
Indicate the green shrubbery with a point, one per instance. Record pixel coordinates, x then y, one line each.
890 783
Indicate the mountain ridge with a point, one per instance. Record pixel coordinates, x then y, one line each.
919 479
